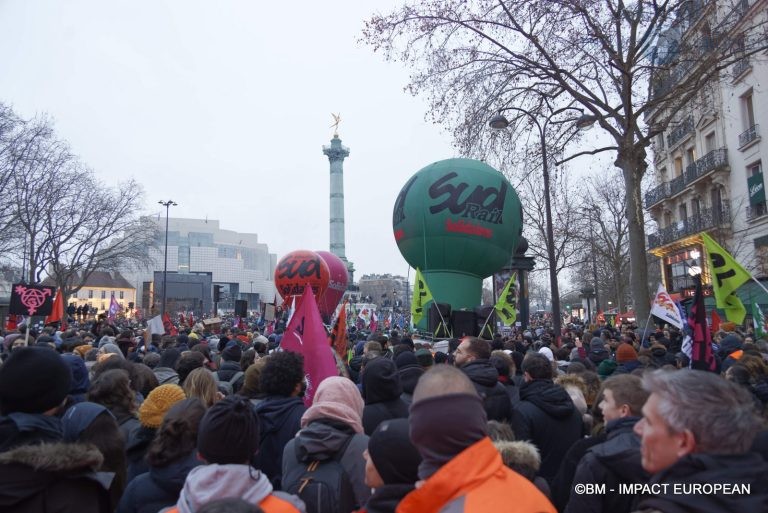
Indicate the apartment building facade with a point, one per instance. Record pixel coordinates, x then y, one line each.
709 163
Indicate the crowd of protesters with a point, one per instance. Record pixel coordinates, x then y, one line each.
98 419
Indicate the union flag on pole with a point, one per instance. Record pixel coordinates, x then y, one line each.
665 309
57 311
305 334
338 338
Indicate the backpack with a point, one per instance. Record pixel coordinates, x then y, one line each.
324 486
227 387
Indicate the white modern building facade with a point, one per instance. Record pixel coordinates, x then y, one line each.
709 164
238 262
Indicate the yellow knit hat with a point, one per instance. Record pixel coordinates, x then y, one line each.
159 401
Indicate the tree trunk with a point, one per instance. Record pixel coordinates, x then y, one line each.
632 164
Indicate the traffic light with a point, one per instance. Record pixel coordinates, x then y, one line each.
216 293
130 305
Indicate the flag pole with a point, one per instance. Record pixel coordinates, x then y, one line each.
482 330
758 283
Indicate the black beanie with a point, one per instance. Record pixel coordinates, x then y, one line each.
232 353
33 380
394 456
229 432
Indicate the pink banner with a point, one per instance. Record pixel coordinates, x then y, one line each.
306 334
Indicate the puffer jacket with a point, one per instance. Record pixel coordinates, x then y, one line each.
55 477
496 401
476 481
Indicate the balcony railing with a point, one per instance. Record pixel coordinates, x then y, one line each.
680 131
741 66
656 194
756 211
706 219
715 159
677 185
749 135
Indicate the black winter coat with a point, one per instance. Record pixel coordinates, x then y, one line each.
496 401
54 477
561 484
159 488
227 371
382 389
386 498
136 449
28 428
547 417
613 462
279 421
708 469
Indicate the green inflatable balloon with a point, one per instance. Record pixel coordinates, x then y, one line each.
459 221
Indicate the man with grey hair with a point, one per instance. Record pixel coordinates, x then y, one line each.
695 433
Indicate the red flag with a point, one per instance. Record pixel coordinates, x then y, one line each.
715 322
306 334
57 312
181 318
191 319
702 357
170 329
338 338
12 323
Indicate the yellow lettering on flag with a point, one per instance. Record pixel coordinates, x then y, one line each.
421 296
506 306
727 276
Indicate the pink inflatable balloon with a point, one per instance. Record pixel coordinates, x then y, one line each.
337 283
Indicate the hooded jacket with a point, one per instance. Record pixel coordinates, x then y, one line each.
410 371
547 417
28 428
476 481
322 440
54 477
381 391
279 421
708 469
166 375
209 482
227 371
159 488
496 401
613 462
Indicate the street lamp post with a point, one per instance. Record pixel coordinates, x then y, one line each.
499 121
167 204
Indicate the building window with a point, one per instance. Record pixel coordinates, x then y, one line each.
748 110
103 294
709 142
696 206
122 294
683 211
678 166
690 156
90 294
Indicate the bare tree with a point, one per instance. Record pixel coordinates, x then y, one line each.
603 232
564 216
62 221
619 61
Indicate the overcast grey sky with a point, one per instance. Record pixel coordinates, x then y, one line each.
223 106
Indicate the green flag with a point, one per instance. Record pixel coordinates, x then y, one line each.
506 306
421 296
758 319
727 276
